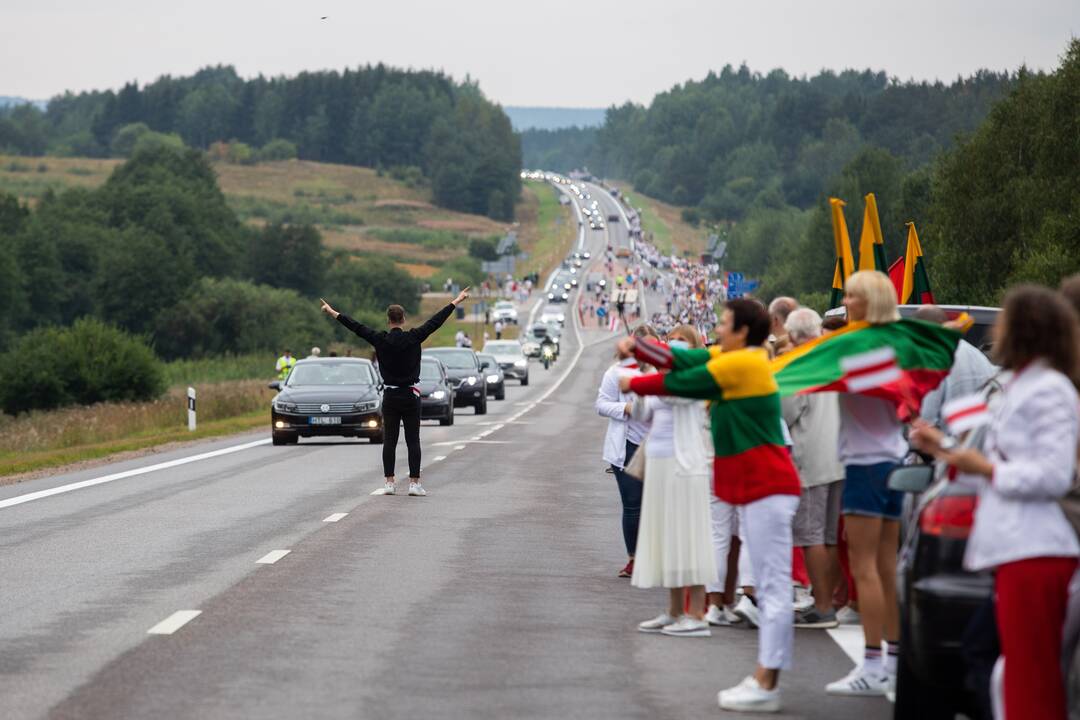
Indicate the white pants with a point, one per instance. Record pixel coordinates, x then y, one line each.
765 529
725 525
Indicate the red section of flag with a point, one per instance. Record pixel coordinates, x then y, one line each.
896 274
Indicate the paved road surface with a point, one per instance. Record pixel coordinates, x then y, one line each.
494 597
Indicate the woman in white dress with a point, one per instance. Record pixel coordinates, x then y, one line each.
674 548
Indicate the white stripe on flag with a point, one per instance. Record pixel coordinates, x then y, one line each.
867 359
869 370
965 413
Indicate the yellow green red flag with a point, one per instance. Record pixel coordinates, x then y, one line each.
916 289
845 264
872 242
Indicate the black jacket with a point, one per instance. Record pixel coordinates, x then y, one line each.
397 350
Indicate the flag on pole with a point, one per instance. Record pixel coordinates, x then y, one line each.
845 264
613 324
965 413
872 242
896 275
916 290
898 361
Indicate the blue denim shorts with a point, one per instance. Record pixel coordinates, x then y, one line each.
866 492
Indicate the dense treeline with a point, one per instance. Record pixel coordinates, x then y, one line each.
373 116
156 253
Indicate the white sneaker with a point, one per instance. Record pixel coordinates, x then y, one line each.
860 682
417 489
804 599
748 696
687 627
847 616
388 488
656 624
715 616
748 611
890 688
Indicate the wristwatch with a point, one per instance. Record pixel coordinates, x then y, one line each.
948 443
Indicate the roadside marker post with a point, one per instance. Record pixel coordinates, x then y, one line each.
191 409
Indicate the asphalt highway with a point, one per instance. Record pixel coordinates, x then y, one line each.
493 597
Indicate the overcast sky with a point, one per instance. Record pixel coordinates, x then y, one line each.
574 54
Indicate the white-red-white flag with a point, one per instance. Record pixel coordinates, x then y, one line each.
965 414
869 370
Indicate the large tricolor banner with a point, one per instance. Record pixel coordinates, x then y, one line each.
899 361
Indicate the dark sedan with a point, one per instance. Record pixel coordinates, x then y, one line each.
463 369
493 376
331 396
436 392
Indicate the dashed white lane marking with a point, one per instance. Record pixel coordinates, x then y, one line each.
437 458
272 557
174 622
29 497
335 517
851 641
459 447
379 491
460 444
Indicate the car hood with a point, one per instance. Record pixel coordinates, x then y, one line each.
508 358
329 393
460 373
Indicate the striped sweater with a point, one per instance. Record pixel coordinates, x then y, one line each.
751 461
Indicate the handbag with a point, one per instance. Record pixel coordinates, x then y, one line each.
636 467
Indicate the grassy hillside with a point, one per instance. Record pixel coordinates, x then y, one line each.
355 208
669 231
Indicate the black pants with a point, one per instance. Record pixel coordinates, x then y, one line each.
400 405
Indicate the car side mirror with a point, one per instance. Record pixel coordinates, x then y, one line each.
276 385
911 478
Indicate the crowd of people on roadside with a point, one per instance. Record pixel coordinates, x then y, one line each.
733 496
691 290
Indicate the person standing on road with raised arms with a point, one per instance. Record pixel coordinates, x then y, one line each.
398 353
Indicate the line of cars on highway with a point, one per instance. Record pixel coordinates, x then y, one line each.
343 396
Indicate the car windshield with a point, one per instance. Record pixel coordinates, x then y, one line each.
504 306
502 348
322 373
430 371
459 359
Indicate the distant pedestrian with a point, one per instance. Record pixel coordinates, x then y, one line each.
498 329
459 338
284 365
315 353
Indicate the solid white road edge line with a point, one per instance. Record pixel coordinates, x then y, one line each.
272 557
29 497
335 517
174 622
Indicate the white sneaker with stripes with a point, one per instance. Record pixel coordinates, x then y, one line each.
860 682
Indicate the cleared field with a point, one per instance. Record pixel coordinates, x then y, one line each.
547 229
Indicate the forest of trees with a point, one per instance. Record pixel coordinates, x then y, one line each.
988 167
372 116
156 253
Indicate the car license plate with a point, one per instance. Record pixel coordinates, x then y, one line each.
325 420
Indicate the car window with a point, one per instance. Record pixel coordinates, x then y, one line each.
503 348
459 359
430 371
490 359
331 374
504 306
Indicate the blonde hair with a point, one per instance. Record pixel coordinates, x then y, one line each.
688 333
880 295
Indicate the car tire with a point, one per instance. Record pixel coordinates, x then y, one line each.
481 407
376 439
449 419
501 395
293 439
918 700
524 381
278 438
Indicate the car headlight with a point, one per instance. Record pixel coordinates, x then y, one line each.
471 380
282 406
439 394
366 406
521 363
493 378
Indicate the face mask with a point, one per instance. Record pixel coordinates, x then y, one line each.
681 344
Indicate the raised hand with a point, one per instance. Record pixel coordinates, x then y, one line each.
462 296
328 310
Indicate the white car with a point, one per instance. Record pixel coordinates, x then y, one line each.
512 357
550 314
505 311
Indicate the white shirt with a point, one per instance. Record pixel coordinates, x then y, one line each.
611 403
870 432
1032 444
814 420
